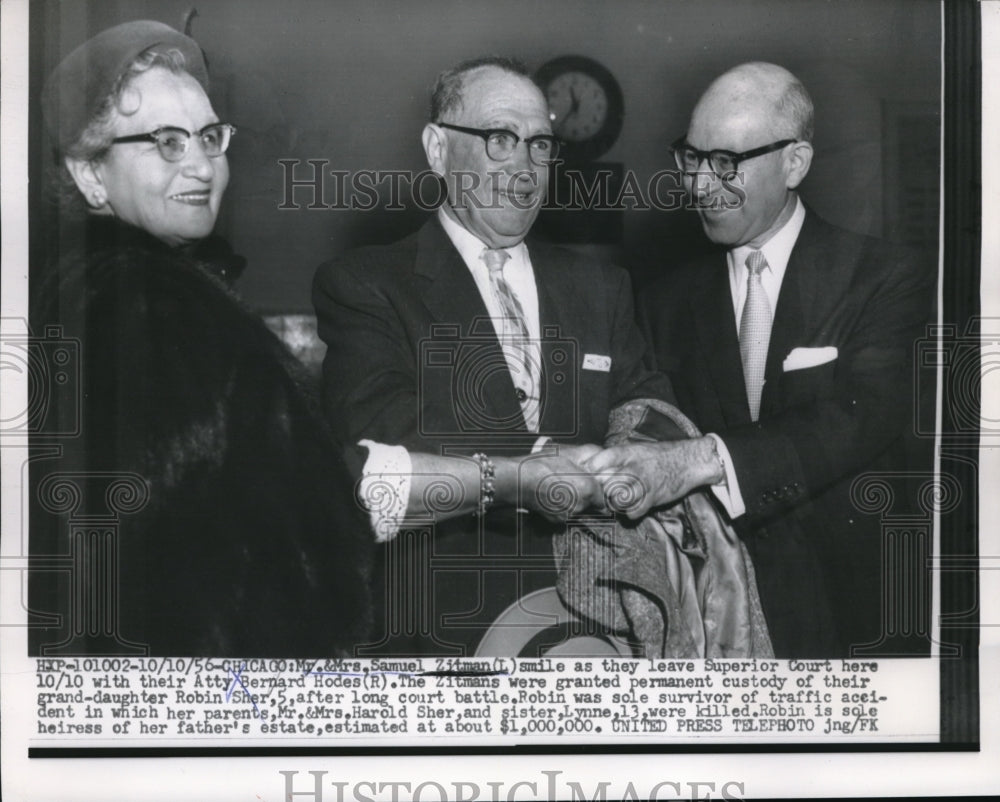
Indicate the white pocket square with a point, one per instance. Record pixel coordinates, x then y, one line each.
799 358
597 362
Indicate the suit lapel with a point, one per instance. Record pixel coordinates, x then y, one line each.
450 294
559 315
457 309
810 291
786 330
712 311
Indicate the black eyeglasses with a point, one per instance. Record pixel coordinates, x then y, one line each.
722 162
543 149
173 142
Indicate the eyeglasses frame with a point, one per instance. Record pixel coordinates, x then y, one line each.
486 133
737 158
153 136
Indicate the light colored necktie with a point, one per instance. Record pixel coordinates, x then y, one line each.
755 332
515 341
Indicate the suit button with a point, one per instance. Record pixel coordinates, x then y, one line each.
521 395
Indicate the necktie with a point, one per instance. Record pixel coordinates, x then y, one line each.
515 341
755 332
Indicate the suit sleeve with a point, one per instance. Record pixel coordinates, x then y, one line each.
370 375
631 378
786 458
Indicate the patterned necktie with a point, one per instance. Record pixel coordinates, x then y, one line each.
515 341
755 332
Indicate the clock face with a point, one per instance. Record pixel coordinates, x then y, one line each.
580 106
586 105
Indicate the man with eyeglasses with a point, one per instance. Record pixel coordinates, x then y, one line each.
792 345
464 338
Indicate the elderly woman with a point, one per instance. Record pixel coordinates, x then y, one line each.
234 529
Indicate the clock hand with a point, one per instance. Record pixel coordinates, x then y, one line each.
575 105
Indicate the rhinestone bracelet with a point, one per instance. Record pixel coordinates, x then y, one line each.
487 483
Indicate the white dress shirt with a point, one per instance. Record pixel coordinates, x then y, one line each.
777 250
517 272
520 278
384 489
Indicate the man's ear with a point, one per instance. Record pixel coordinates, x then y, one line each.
798 159
435 148
88 180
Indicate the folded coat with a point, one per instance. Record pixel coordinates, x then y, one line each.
679 582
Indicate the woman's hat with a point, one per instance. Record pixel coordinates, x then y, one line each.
74 91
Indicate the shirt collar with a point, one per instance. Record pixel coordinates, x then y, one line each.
778 249
470 247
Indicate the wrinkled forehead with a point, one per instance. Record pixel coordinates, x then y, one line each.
491 92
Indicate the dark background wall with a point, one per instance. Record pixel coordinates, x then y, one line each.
348 82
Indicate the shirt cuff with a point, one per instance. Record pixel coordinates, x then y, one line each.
384 489
728 491
540 444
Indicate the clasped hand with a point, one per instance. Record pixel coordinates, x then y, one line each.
631 478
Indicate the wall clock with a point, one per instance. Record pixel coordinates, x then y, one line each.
587 105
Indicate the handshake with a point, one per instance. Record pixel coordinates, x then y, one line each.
557 482
630 479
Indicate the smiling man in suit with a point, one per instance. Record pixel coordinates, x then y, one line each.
792 345
464 338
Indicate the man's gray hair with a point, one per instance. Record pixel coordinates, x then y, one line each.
446 96
795 107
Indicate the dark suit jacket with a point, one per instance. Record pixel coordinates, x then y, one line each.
412 359
818 558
